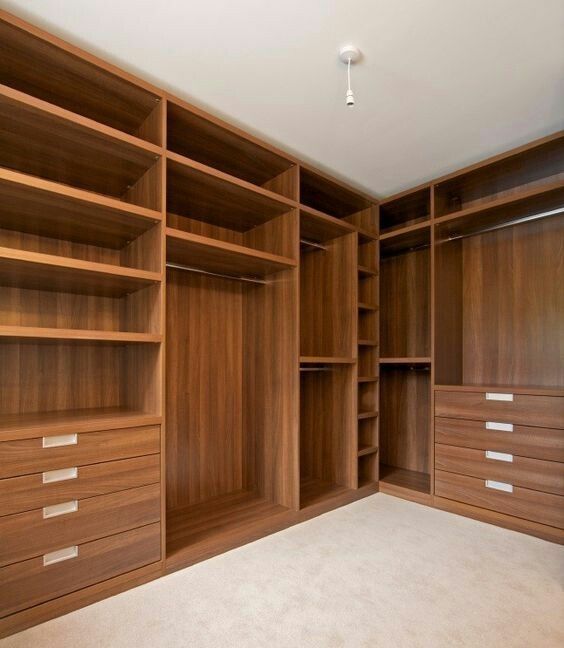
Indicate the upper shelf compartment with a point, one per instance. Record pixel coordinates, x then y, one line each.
53 73
45 141
507 176
405 210
227 149
329 197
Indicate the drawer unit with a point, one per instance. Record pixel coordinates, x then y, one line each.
535 442
544 508
516 409
18 494
70 568
535 474
28 456
25 535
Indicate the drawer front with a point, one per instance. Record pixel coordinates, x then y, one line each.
31 582
19 494
545 476
53 452
38 532
535 442
523 409
544 508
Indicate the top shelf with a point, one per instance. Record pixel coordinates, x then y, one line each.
54 73
320 227
327 196
409 208
215 144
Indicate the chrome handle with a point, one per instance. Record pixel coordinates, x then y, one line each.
60 509
502 427
499 397
60 475
500 486
499 456
60 555
58 441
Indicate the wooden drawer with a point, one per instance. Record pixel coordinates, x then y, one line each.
545 476
18 494
523 409
25 535
545 508
31 582
535 442
52 452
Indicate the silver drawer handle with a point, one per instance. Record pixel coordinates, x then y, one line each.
60 509
502 427
499 456
499 397
60 475
58 441
500 486
60 555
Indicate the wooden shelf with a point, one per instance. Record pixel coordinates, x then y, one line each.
190 528
14 426
44 208
367 307
366 236
214 143
367 379
406 239
326 360
57 335
363 342
367 415
367 450
36 271
217 256
408 479
197 191
328 196
406 209
55 73
406 360
368 272
320 227
314 491
44 140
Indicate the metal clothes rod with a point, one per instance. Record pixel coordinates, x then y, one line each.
516 221
313 244
178 266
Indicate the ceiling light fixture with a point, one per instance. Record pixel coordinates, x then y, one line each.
349 54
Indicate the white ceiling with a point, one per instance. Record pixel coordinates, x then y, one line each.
443 83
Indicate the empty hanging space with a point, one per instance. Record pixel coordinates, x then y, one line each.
41 140
499 302
327 432
232 409
56 75
213 143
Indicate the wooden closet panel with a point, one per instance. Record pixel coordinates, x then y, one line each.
514 306
271 388
58 377
277 235
405 304
204 388
404 418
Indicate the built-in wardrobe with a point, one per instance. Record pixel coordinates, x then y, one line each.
204 340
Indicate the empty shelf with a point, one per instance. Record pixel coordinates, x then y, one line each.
317 226
367 379
54 335
366 450
314 491
406 360
409 479
367 415
325 360
366 272
367 307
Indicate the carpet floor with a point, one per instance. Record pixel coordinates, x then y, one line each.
380 572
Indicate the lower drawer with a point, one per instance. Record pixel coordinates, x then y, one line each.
522 440
18 494
38 532
37 580
545 476
522 502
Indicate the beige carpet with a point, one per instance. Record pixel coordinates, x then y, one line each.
381 572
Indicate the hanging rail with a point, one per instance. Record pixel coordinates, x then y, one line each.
515 221
178 266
